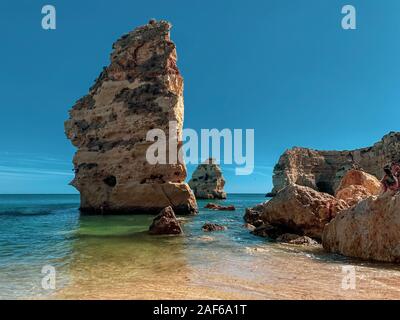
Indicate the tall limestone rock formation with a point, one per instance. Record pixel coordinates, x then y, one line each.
323 170
207 181
140 90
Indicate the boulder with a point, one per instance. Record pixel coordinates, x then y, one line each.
165 223
218 207
301 210
268 231
209 227
140 90
296 239
357 185
207 181
369 230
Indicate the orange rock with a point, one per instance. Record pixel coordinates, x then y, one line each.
357 185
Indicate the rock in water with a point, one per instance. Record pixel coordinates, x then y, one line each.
370 230
165 223
218 207
323 170
140 90
357 185
207 181
301 210
210 227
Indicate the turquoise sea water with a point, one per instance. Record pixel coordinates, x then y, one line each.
113 257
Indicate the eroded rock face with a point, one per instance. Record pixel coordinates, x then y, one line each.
323 170
207 181
140 90
370 230
165 223
301 210
357 185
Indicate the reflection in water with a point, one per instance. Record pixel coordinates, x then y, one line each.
113 257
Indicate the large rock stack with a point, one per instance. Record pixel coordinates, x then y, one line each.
207 181
140 90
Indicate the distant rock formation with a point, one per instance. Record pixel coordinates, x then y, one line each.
323 170
369 230
357 185
207 181
140 90
165 223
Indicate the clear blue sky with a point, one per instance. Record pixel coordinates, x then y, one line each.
283 67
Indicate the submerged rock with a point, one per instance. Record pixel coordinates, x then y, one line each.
268 231
207 181
218 207
323 170
165 223
369 230
209 227
296 239
357 185
300 210
141 89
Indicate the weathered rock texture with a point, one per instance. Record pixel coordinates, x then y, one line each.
370 230
357 185
207 181
140 90
323 170
301 210
165 223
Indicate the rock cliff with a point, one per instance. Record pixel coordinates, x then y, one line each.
141 89
323 170
207 181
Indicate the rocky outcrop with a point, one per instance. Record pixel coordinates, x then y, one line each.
140 90
165 223
218 207
301 210
210 227
357 185
370 230
207 181
323 170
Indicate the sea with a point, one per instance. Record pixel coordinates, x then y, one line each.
48 250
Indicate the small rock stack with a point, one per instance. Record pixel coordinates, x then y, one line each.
207 181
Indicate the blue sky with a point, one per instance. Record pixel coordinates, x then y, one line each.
285 68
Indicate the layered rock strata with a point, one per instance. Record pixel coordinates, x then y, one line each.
323 170
140 90
207 181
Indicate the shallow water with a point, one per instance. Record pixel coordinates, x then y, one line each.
113 257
